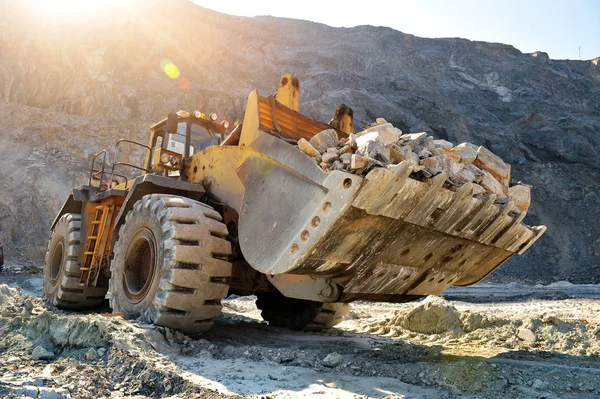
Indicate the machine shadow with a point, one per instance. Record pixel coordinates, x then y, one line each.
268 359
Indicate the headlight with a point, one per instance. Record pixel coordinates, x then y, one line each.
164 157
197 114
174 161
225 124
213 116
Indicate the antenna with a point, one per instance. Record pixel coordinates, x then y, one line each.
579 53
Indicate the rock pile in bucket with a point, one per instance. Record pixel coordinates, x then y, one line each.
381 145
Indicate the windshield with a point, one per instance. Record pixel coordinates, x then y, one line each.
201 139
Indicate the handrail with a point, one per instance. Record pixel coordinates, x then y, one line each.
92 174
118 163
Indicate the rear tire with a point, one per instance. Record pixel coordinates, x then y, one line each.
299 314
62 287
168 265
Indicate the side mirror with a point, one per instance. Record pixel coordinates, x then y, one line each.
172 121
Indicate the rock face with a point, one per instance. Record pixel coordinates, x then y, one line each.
70 88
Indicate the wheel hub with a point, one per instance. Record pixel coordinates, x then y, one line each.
140 265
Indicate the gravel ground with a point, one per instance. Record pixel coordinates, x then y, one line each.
488 341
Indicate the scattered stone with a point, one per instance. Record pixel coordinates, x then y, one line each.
13 360
91 354
326 138
521 196
307 148
526 334
40 353
332 360
380 120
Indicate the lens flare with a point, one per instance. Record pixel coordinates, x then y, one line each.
184 84
169 68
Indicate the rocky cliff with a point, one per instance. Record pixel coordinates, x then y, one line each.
70 87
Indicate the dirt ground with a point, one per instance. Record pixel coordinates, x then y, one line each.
487 341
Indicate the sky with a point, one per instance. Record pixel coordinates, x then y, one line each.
558 28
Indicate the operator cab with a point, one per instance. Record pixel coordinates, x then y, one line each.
181 135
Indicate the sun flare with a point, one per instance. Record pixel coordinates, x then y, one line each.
77 8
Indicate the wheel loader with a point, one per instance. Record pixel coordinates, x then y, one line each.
214 212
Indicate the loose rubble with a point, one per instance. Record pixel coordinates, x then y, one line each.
383 145
430 349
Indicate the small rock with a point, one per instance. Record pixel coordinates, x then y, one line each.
27 304
101 351
337 165
360 162
385 134
488 161
27 391
413 139
52 393
346 158
352 141
538 384
40 353
443 144
307 148
345 150
330 157
491 184
380 121
478 190
26 313
466 151
478 173
526 334
326 138
374 149
521 196
440 163
424 154
404 153
13 360
91 354
332 360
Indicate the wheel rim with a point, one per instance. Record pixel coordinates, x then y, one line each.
140 265
56 260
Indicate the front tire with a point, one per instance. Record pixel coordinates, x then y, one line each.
299 314
62 276
168 266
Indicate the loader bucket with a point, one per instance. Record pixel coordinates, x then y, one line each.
385 236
